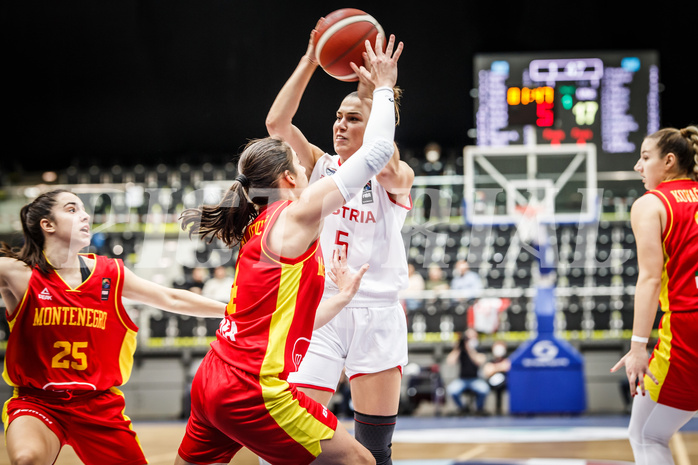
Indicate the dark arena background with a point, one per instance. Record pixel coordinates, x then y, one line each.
141 108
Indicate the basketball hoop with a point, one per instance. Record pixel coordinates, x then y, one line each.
554 175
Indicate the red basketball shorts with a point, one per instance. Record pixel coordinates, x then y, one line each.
674 362
92 423
231 408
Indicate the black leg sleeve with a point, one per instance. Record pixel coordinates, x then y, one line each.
375 433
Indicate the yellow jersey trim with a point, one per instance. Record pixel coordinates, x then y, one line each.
659 366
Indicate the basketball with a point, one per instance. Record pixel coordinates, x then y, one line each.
340 40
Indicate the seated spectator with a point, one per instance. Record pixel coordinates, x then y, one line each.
470 360
195 282
219 286
435 279
467 281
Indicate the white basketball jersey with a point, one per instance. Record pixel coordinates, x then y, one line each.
370 225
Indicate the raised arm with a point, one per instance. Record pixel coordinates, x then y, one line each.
397 176
279 120
371 158
171 300
304 217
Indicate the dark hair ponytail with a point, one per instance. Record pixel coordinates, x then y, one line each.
32 251
261 165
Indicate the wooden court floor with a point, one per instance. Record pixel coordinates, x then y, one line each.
161 439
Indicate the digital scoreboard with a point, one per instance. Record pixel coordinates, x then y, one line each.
609 98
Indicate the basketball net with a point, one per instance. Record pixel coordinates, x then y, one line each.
528 221
533 235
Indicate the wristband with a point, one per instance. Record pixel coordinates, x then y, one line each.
389 89
641 339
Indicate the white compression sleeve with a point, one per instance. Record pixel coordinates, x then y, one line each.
381 121
376 150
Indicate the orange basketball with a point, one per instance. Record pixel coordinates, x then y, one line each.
340 40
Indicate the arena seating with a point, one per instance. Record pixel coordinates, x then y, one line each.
595 264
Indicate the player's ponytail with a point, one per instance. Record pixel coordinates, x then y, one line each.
261 165
32 251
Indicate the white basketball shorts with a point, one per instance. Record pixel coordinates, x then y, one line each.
359 339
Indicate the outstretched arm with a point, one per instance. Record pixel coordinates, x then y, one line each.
279 120
171 300
299 225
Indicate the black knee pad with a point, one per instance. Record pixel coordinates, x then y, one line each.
375 433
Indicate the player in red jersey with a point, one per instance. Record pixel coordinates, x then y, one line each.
71 341
665 225
240 394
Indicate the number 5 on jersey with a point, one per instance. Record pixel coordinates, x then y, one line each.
339 239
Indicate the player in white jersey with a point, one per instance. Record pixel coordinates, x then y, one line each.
370 226
368 338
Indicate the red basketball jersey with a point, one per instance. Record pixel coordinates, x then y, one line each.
270 317
679 290
64 338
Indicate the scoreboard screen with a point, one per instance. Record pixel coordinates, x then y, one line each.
609 98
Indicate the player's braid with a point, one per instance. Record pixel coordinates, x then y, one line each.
691 133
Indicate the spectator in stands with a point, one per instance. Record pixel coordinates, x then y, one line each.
197 279
469 360
666 234
436 281
218 287
415 284
496 370
466 280
71 341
